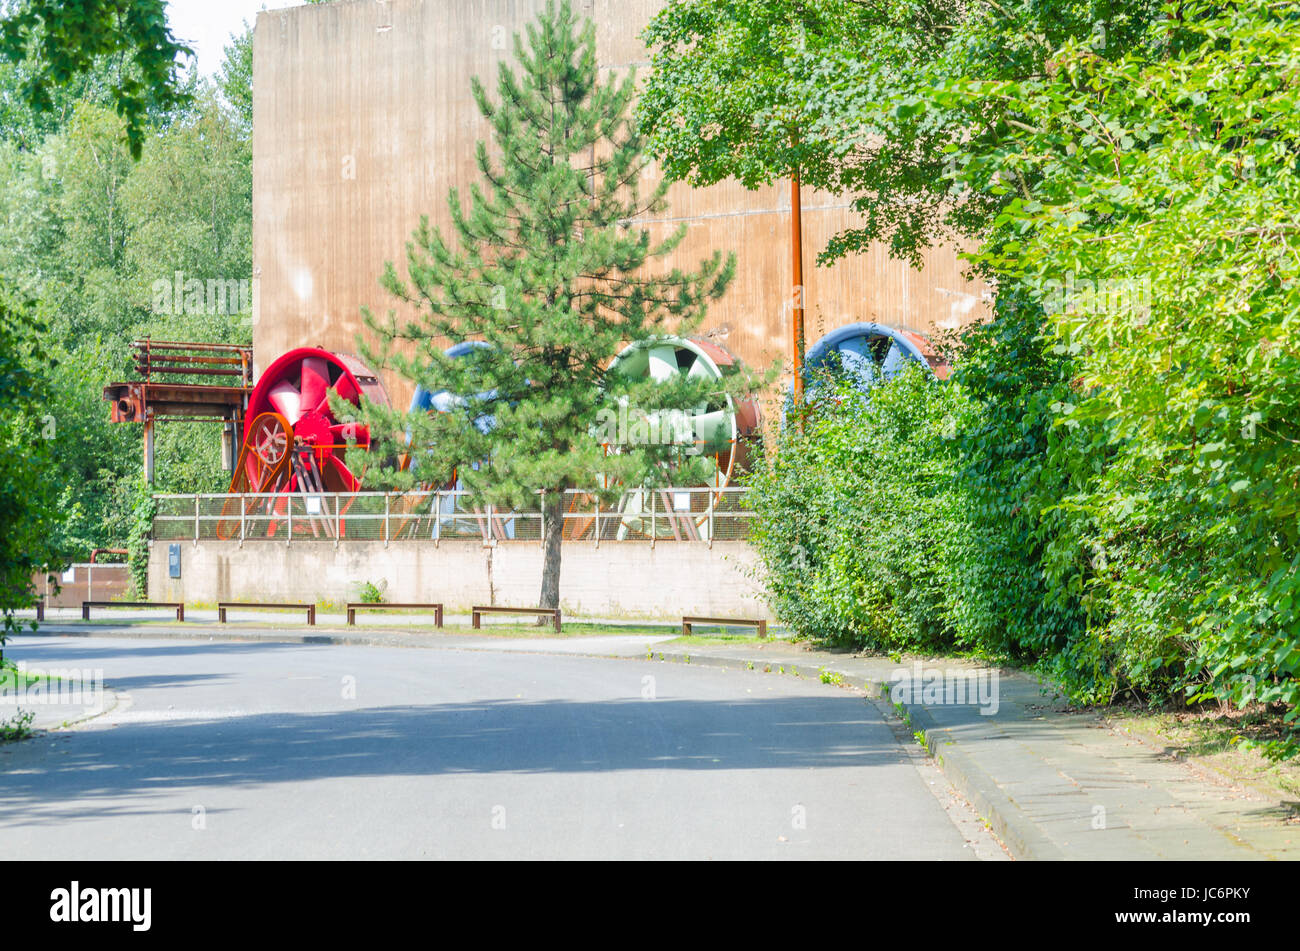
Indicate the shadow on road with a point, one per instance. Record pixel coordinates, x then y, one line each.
506 736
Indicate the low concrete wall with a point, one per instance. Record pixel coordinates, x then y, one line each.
616 580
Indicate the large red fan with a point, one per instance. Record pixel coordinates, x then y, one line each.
290 409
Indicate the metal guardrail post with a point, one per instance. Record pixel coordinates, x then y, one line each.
243 508
654 528
196 521
338 519
387 497
710 520
437 518
596 527
289 536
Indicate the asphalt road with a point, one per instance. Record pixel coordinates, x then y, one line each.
275 751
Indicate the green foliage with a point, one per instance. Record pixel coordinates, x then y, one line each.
843 91
236 77
26 127
29 515
370 593
857 514
1018 587
61 41
146 507
721 101
17 727
1159 234
1129 461
87 233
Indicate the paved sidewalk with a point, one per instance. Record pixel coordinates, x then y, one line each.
1052 784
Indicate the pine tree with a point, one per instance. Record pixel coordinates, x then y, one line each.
552 274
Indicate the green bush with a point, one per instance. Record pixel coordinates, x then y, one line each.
858 515
30 518
1021 569
968 516
992 514
370 593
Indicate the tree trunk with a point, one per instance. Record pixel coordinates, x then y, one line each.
553 515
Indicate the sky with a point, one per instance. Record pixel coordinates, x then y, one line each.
206 25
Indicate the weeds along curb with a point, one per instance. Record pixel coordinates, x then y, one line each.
112 701
1007 821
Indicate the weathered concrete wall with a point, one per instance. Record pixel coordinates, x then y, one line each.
621 580
364 120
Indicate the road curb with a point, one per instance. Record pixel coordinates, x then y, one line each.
1016 830
112 694
112 702
1006 820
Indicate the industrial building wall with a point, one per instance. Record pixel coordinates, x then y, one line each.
363 120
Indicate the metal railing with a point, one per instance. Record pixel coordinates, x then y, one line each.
659 515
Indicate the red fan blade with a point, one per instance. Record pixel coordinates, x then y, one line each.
340 433
315 381
286 399
342 472
347 389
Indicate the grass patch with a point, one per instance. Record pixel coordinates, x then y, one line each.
18 726
691 640
9 677
571 629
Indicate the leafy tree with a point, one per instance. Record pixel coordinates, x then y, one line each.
189 205
62 41
86 231
236 77
841 90
28 510
1131 466
552 272
23 126
1160 234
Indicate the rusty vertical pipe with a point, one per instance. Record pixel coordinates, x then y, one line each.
148 446
796 328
